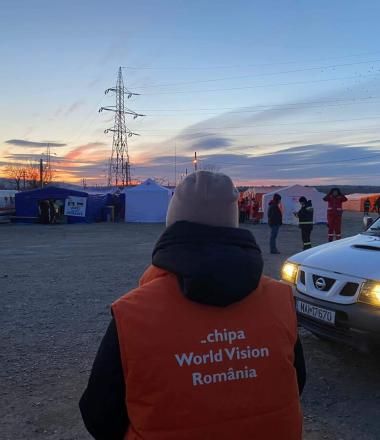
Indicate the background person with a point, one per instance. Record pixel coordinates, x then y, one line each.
242 210
376 205
305 221
52 212
161 369
335 200
367 206
255 210
274 222
43 210
248 209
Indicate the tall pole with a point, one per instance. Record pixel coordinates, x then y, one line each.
195 161
48 164
41 173
175 165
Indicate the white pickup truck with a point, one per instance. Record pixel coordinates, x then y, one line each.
337 288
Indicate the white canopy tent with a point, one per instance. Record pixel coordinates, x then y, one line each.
146 203
7 204
290 204
7 198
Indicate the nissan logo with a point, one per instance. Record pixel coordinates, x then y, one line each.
320 284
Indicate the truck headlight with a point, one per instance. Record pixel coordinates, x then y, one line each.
289 272
370 293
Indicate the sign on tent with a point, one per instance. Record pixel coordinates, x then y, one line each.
75 206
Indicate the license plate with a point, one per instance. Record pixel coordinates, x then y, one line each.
315 312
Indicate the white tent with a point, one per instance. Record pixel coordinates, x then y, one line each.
146 203
263 189
290 204
7 198
7 204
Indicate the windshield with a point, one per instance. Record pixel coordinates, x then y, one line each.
374 229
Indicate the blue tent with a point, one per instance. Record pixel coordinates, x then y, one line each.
27 204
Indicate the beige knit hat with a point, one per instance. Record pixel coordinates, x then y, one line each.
207 198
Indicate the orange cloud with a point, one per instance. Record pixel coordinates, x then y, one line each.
91 151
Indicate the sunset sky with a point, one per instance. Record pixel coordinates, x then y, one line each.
273 92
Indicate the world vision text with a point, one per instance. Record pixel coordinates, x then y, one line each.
221 355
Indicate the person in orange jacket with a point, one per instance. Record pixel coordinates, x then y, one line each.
206 347
335 200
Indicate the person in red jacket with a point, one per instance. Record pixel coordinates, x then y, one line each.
335 200
255 209
206 347
248 209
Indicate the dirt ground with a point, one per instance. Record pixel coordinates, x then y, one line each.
56 285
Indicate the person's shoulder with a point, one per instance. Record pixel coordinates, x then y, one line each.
150 286
278 293
269 282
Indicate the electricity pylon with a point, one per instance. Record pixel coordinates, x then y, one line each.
119 170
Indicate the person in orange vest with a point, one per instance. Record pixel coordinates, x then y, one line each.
335 200
206 347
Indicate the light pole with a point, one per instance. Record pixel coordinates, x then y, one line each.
195 162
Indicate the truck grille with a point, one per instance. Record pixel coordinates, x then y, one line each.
328 283
349 289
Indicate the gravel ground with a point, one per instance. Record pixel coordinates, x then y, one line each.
56 285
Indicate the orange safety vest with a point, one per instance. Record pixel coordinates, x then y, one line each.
198 372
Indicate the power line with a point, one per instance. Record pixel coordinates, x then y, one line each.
276 124
173 115
255 108
86 123
230 66
276 133
262 85
217 163
274 165
259 74
377 155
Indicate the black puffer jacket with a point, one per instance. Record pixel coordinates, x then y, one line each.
274 214
214 266
306 214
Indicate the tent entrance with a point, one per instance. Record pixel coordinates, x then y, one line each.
51 211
